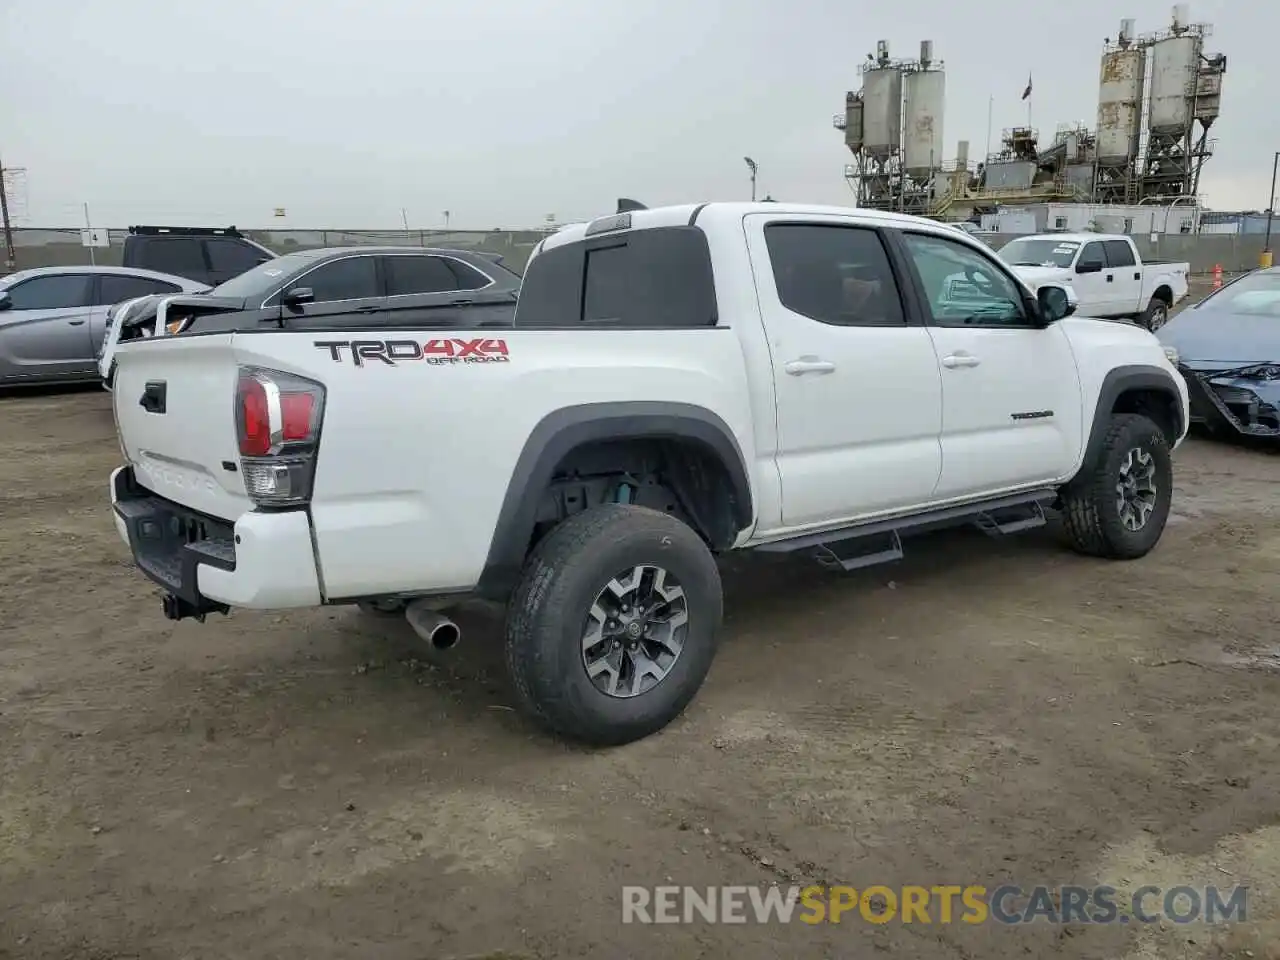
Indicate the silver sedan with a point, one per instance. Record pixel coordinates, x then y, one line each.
52 319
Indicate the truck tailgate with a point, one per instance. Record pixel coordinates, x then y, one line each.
174 402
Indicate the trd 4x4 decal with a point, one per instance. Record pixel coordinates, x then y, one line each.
392 352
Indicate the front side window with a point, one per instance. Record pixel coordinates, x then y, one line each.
834 274
1092 257
352 278
233 257
963 287
61 291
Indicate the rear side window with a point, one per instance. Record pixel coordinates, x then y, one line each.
644 278
469 278
59 292
834 274
114 288
408 275
353 278
1119 253
232 257
181 255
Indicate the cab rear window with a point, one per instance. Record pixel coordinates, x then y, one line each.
655 278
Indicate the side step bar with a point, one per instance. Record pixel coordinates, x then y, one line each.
999 517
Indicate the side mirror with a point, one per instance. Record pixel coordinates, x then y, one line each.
1055 302
1092 267
298 296
5 302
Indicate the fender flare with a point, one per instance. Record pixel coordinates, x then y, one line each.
561 431
1119 381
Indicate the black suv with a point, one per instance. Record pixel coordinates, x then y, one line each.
351 288
210 255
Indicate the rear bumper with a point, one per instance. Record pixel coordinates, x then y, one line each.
260 561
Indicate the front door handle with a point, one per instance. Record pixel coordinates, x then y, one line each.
809 365
1110 277
462 301
960 360
368 308
76 323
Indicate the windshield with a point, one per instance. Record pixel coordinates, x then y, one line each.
1255 294
1039 253
265 277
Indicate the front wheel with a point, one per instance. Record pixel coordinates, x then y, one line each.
614 624
1117 508
1156 315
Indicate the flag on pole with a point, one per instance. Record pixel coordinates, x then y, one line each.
1027 92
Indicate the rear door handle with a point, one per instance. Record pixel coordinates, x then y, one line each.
463 301
809 365
1110 277
960 360
76 323
368 308
1137 276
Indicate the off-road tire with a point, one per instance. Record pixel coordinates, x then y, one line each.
548 614
1090 512
1156 315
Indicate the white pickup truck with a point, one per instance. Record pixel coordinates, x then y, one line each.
1109 276
675 383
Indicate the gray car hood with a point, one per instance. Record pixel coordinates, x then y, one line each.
1217 339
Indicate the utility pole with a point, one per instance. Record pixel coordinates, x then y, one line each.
93 260
1265 260
10 259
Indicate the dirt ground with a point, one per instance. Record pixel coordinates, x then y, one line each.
311 786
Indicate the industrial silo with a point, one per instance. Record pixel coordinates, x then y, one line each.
924 95
1120 100
882 106
1175 62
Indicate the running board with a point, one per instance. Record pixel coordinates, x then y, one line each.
999 517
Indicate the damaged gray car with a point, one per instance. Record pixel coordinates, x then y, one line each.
1228 349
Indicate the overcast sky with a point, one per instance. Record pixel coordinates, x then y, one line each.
506 111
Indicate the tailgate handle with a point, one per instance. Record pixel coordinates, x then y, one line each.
153 396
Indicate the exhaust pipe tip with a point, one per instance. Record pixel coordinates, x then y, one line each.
433 627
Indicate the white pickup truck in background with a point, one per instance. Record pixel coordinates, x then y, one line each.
1109 276
674 383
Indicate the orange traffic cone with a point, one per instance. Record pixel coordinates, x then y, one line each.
1217 276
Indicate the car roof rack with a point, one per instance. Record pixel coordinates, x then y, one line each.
151 231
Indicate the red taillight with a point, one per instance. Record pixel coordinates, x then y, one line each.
278 419
255 419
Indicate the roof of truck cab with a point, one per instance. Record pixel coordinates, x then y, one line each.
1073 237
683 214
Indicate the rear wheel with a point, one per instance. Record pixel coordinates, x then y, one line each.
1118 507
614 624
1156 315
